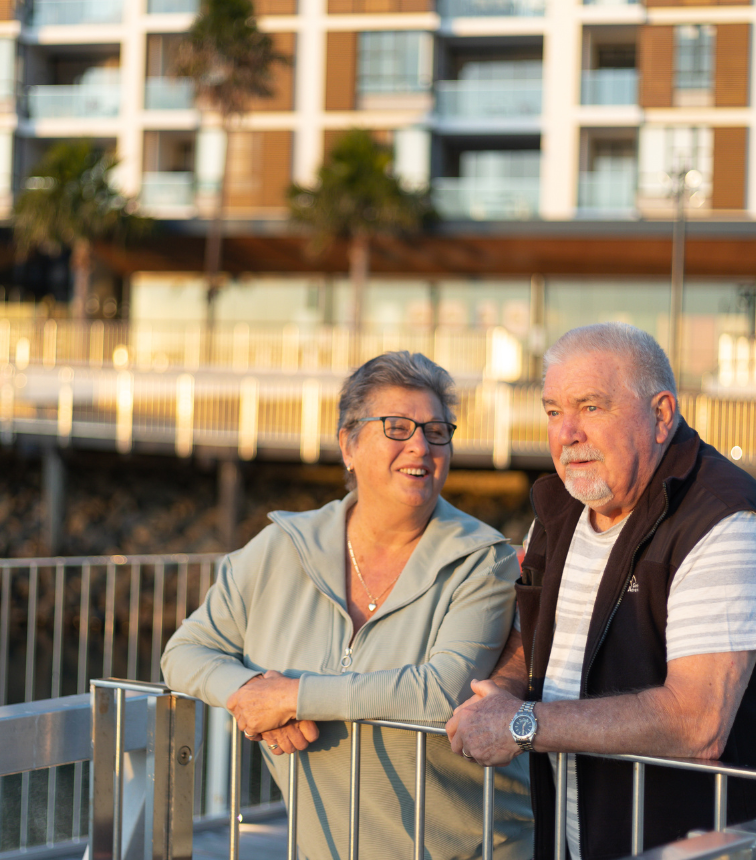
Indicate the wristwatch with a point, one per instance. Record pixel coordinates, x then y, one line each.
524 726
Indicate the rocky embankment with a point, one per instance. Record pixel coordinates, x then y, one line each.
152 504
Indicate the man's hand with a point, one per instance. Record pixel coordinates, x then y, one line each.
480 726
264 703
295 735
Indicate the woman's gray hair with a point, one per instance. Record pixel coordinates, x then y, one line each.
401 369
652 371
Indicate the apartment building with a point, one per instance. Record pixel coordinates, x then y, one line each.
553 134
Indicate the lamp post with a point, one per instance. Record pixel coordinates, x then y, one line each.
682 182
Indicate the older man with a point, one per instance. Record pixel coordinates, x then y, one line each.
637 607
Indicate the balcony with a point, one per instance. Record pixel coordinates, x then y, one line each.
173 7
87 100
167 189
479 8
471 100
482 199
604 191
610 87
168 94
53 13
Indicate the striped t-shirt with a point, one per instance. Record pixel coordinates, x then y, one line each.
711 609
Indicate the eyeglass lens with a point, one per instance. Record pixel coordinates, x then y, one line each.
401 429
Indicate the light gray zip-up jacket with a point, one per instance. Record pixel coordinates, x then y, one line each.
280 603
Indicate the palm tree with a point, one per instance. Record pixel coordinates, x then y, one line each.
230 62
69 202
357 198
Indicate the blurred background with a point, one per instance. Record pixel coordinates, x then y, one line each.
198 241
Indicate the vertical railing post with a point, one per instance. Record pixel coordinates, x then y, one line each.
120 720
488 812
639 785
560 824
419 853
156 825
184 715
291 848
101 795
354 794
720 801
234 804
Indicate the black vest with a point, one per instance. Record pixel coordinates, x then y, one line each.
693 489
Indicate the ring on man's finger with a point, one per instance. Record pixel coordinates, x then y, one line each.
272 746
248 736
467 754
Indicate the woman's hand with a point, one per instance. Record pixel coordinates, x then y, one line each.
264 703
296 735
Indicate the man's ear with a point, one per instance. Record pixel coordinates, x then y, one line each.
664 405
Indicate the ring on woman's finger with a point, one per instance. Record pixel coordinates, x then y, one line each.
467 754
248 736
272 746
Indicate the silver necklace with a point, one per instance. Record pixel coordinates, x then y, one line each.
373 605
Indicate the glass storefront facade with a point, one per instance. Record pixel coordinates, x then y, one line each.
712 309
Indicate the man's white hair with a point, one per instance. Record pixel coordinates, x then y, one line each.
651 370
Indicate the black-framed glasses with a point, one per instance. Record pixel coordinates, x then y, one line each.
401 429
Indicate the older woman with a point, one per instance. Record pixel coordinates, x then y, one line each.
383 605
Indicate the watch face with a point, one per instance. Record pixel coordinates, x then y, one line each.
523 725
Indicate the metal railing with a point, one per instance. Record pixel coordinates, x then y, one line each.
482 199
64 621
168 93
238 347
488 99
67 12
610 87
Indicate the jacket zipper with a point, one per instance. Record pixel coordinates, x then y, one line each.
609 622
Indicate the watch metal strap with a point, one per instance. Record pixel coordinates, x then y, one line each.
527 708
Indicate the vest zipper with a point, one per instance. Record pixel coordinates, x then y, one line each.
606 630
532 659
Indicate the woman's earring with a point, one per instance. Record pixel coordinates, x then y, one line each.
349 468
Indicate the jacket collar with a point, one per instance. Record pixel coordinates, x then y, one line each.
319 538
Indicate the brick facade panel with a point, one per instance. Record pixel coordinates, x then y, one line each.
283 77
656 65
732 65
729 176
259 170
341 71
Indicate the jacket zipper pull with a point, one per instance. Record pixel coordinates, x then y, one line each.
346 660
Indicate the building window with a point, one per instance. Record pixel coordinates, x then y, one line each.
694 58
394 62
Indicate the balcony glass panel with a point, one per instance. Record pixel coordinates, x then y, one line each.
483 99
610 87
173 7
168 94
98 95
604 190
487 199
475 8
50 13
167 189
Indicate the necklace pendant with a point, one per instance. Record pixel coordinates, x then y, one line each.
372 606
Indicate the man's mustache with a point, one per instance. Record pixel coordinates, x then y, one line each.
575 453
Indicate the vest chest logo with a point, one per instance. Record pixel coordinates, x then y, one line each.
633 587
